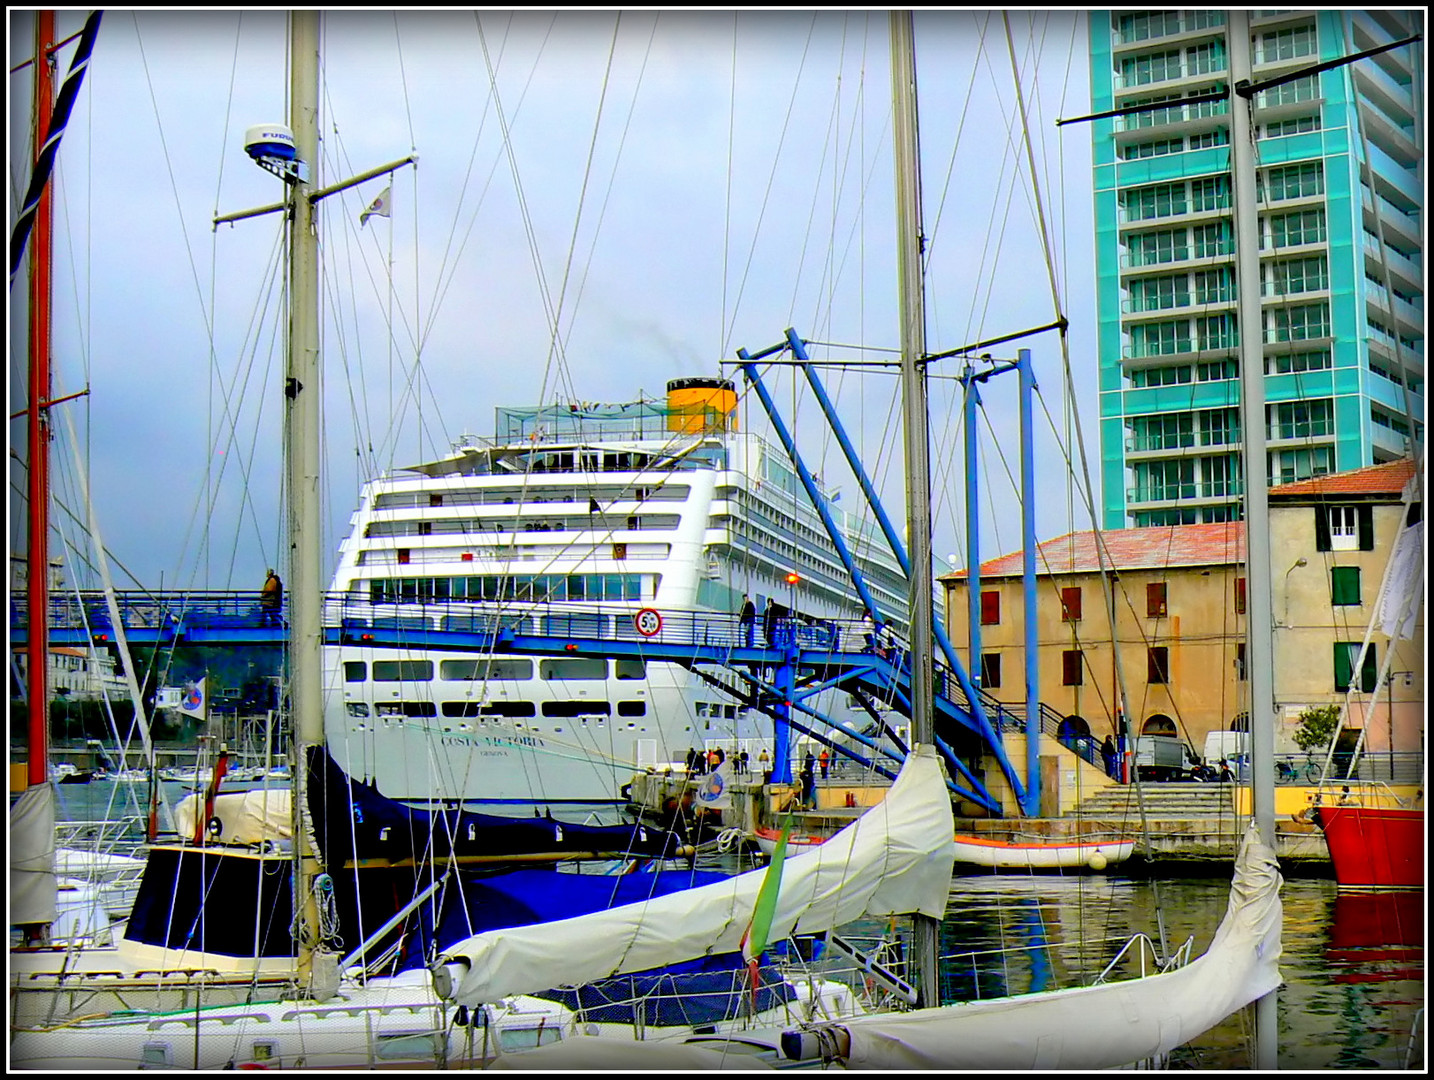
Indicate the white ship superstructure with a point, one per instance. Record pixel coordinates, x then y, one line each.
570 513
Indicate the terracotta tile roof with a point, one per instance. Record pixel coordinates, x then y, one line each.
1217 544
1386 479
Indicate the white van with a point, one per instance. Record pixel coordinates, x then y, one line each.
1225 745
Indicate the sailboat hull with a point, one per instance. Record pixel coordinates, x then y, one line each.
1379 847
979 851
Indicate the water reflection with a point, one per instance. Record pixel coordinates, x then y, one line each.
1353 964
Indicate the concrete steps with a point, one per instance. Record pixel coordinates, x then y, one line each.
1162 800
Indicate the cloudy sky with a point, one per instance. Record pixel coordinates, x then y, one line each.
602 202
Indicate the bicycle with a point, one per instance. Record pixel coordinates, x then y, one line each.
1289 772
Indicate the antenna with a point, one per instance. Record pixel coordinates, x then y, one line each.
272 148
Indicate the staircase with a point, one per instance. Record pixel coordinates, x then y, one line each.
1161 800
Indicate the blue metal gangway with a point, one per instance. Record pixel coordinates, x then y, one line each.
781 675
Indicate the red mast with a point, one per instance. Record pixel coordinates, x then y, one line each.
38 420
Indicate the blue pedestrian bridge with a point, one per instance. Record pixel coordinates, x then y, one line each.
781 674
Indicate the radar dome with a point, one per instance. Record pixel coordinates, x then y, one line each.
270 141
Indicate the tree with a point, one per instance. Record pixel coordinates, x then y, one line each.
1317 726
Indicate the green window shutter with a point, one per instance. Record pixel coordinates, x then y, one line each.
1344 585
1369 671
1343 666
1366 528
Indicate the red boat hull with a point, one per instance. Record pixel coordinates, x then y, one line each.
1374 846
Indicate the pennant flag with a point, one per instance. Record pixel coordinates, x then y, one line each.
380 207
754 939
593 506
713 793
195 701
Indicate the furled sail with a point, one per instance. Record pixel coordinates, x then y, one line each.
895 859
1094 1027
32 856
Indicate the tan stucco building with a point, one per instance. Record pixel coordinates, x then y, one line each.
1179 599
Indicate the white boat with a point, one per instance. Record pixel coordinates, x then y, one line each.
767 839
571 516
1041 855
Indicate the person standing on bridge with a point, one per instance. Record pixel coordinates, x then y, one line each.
271 599
747 620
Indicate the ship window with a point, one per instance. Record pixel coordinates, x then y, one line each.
508 708
480 670
632 708
355 671
402 670
460 708
419 708
358 708
263 1051
630 669
154 1053
577 708
412 1046
573 669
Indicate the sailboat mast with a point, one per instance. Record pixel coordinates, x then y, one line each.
1260 625
915 422
37 597
302 392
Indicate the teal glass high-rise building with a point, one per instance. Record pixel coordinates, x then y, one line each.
1341 197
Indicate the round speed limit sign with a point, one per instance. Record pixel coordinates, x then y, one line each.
648 622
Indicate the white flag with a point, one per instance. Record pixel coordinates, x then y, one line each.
195 701
713 792
379 207
1403 583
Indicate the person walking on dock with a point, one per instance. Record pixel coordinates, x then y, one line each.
809 781
748 620
271 599
826 761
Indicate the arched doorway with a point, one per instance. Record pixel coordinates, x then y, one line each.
1159 724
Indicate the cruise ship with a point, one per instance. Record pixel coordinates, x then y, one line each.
570 511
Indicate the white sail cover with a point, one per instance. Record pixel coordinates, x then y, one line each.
32 856
895 859
245 817
1098 1027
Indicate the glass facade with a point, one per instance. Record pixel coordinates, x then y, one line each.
1341 275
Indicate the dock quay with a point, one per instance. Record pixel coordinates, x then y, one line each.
1193 827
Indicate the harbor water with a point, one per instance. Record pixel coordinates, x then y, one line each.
1352 962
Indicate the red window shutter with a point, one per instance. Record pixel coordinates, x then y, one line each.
1155 600
990 608
1070 604
1239 596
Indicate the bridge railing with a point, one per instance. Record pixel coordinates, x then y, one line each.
142 610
